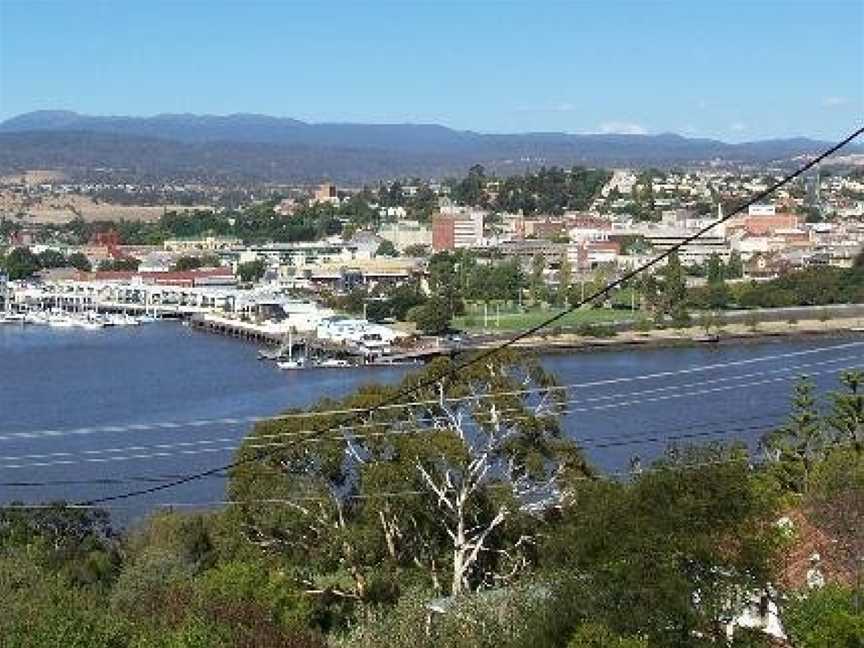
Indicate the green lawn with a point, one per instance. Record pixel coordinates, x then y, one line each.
512 320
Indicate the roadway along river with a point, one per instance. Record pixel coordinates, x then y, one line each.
65 380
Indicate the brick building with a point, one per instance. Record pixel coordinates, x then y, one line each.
457 231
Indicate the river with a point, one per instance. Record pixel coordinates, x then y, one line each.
70 401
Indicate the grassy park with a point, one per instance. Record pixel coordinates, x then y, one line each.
510 317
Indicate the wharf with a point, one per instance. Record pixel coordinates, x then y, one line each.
270 334
423 353
250 331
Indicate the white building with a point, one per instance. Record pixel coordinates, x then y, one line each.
344 330
406 233
205 244
761 210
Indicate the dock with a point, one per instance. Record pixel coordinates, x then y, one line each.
257 333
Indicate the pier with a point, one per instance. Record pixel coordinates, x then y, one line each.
258 333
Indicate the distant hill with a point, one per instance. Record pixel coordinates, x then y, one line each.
259 147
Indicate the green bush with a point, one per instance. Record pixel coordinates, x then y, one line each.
595 635
249 582
146 586
39 608
596 330
511 618
643 324
825 618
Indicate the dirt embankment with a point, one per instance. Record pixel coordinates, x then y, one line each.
61 208
732 333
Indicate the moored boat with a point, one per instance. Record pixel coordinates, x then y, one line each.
61 320
288 365
13 318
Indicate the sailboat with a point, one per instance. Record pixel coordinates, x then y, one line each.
291 363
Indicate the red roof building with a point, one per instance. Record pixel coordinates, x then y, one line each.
189 278
758 225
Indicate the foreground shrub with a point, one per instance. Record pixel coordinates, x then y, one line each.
527 615
828 617
595 635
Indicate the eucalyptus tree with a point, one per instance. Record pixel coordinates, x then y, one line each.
449 480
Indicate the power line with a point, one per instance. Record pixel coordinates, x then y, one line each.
480 357
609 476
585 442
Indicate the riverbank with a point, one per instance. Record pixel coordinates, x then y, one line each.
690 336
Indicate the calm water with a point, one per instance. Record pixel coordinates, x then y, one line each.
56 384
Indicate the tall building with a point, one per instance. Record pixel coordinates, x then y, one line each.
457 230
443 233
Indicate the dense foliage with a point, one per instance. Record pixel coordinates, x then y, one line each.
551 190
811 286
22 263
256 223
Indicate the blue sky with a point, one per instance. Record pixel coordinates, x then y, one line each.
732 70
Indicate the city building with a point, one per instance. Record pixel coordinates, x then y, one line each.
109 238
202 244
396 212
342 277
552 253
457 229
544 228
326 193
300 254
692 253
586 227
366 243
405 234
340 330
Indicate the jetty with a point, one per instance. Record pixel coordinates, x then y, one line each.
264 333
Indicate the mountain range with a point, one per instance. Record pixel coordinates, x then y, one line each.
249 147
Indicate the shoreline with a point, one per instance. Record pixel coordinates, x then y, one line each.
687 338
563 343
